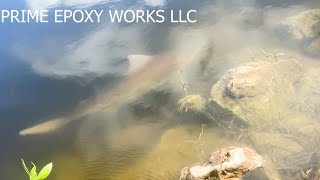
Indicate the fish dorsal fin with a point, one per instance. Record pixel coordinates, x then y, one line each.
138 62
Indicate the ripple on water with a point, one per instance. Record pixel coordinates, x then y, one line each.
108 151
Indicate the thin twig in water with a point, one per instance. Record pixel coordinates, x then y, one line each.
253 58
183 84
201 154
184 87
267 55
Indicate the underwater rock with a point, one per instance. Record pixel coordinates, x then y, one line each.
254 91
276 95
259 93
251 17
228 163
302 28
246 80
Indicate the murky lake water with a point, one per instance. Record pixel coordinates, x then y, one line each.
47 70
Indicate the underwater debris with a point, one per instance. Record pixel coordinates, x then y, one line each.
228 163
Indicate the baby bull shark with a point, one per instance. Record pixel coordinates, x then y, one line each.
145 73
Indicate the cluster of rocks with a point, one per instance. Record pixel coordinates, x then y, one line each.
259 93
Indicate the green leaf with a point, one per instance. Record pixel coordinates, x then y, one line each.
34 169
45 171
25 167
33 172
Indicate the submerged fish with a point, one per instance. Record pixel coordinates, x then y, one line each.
146 73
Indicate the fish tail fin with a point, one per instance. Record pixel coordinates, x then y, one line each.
45 127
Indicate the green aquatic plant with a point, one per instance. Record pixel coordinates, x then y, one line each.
194 102
44 173
305 174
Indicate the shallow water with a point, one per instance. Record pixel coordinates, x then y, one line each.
46 76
